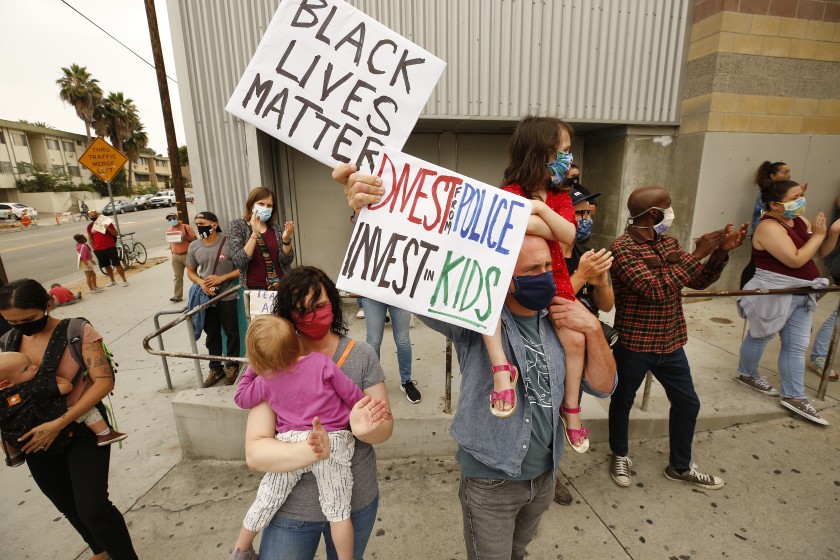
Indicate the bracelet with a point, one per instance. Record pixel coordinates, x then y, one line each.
286 243
254 236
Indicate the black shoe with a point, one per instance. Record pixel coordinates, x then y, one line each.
214 376
176 299
411 392
561 494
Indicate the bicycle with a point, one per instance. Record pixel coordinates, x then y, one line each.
129 250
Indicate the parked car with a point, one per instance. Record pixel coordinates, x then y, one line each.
16 210
163 198
141 201
122 206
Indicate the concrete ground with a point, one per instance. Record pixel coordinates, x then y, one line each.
780 500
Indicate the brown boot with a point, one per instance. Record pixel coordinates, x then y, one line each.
213 377
231 373
561 494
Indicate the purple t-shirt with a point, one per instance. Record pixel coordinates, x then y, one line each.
314 386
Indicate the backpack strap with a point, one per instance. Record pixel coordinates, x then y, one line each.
75 334
346 352
55 348
10 341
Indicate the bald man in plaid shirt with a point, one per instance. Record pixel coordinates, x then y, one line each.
648 273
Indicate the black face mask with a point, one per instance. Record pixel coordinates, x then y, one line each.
33 327
204 231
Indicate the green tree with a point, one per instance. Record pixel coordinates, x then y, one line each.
133 147
116 118
47 181
183 155
118 184
79 89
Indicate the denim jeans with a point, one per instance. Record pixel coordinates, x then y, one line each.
400 320
823 339
501 516
795 336
290 539
673 372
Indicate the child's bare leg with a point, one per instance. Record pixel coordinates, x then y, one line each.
342 536
501 379
574 344
90 278
246 540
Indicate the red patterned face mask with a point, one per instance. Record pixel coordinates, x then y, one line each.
314 325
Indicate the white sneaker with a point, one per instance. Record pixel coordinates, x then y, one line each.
112 284
125 284
360 314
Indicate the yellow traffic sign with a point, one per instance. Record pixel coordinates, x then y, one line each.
103 159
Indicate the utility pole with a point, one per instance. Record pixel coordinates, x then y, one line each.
163 88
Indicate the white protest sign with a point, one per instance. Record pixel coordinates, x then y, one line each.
260 302
437 244
334 83
101 224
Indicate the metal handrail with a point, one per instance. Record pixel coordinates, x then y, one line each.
195 356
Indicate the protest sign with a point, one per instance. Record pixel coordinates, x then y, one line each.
437 244
101 224
260 302
334 83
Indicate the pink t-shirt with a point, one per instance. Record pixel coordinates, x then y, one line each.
85 254
314 386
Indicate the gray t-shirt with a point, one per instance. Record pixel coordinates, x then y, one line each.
202 257
538 458
363 367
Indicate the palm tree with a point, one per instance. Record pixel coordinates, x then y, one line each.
116 117
133 147
80 90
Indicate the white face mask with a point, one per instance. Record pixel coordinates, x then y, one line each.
667 220
664 224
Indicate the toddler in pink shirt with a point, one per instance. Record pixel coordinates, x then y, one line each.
298 388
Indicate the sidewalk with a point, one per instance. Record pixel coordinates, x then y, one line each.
775 470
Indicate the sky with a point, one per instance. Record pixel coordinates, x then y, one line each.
42 36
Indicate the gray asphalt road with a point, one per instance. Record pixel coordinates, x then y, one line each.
47 253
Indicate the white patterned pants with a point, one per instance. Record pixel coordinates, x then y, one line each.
333 476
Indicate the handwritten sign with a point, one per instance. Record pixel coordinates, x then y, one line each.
102 159
335 83
260 302
101 224
438 244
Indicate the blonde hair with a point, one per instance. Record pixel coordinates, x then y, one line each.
271 344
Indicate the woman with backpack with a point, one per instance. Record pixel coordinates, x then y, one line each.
62 455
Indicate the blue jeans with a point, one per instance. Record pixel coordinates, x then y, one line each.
823 339
291 539
673 372
795 336
400 319
501 516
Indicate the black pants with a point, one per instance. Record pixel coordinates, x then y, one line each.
76 482
223 315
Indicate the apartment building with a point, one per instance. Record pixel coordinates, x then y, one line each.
27 147
152 170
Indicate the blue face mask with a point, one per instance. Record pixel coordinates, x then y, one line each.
534 292
559 166
584 230
173 223
794 208
263 213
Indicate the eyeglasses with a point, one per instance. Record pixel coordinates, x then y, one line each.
583 213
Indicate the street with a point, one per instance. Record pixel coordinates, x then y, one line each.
47 253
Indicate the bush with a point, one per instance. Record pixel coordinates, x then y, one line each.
47 181
118 184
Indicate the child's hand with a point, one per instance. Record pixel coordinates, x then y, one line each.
367 415
319 440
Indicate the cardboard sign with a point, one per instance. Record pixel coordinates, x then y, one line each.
173 237
437 244
334 83
260 302
101 224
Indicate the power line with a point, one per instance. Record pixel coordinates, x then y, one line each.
114 38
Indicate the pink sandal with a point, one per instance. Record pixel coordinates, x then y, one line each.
575 435
508 395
